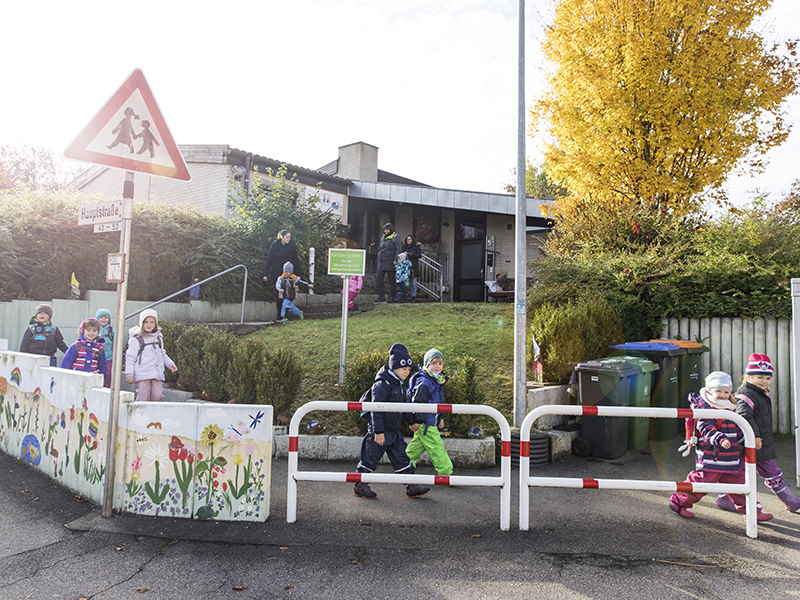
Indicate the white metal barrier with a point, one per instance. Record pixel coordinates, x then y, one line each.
748 488
503 481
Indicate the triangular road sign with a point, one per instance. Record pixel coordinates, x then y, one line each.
130 133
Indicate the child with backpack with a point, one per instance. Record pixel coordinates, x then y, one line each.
426 386
402 270
754 404
717 447
41 336
146 358
103 317
383 432
88 353
286 285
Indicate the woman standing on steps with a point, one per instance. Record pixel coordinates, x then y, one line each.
282 250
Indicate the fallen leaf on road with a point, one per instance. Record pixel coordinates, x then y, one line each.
78 498
477 535
142 590
284 548
240 587
117 548
35 499
288 587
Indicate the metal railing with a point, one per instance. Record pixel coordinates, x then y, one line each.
198 284
748 487
433 274
503 481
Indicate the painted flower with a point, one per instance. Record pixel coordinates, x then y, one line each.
216 484
135 476
225 486
237 459
63 420
72 413
3 384
136 465
156 454
211 435
250 448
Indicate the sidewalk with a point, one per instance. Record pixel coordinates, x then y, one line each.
581 543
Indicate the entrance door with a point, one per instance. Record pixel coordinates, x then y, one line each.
470 251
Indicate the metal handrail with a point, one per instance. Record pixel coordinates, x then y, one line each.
428 266
199 283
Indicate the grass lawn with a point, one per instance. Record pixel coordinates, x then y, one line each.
483 331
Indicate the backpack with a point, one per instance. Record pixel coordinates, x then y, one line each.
142 344
366 397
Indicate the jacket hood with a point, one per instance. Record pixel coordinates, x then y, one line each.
278 248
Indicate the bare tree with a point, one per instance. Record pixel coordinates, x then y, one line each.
26 165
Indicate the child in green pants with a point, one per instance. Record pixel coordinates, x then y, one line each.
426 387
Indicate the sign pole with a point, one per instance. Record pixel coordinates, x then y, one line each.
795 395
116 384
343 351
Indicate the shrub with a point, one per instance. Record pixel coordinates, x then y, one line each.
218 357
190 357
171 331
279 381
571 324
249 357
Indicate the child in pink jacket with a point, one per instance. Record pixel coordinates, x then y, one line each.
146 358
356 283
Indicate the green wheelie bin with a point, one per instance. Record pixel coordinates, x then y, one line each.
641 389
690 378
665 382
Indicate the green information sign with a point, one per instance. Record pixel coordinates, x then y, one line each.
346 262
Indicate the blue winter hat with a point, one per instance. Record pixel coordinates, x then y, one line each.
103 312
399 357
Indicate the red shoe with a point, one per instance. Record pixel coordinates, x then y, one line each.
681 510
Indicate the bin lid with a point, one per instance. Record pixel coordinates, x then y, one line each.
607 366
654 348
644 365
690 347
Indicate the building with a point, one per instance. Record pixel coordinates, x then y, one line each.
468 237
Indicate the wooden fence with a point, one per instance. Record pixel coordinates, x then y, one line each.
731 341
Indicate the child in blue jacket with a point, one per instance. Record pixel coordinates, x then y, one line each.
383 432
426 386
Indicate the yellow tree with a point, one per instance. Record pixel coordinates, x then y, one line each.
652 103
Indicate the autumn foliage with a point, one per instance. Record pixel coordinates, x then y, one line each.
651 104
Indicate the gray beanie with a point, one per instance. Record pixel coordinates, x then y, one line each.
719 380
288 267
45 308
430 355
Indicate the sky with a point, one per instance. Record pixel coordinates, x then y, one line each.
432 83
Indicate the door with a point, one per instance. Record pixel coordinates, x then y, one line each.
470 251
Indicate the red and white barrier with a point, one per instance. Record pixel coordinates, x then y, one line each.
526 481
503 482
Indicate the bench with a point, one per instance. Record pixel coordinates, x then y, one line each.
498 292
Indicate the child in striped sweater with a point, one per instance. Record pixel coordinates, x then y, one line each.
717 448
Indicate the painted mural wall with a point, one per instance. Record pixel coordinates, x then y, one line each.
189 460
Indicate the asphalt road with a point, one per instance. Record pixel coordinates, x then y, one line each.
581 543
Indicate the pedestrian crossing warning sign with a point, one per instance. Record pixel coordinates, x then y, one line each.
130 133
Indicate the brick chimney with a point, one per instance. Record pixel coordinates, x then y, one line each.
358 161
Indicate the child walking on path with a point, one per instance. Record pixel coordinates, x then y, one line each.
146 358
754 404
103 317
426 386
41 336
717 450
287 289
402 276
88 353
383 432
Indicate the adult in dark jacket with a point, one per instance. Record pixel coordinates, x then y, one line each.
388 250
413 250
281 251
